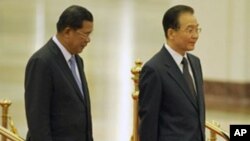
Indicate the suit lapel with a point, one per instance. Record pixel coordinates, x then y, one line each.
173 70
195 73
83 79
65 68
197 79
85 89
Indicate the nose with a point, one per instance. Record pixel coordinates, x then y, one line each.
88 39
195 35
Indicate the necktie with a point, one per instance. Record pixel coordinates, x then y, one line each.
187 76
72 62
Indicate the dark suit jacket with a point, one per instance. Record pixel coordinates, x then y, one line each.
167 109
55 108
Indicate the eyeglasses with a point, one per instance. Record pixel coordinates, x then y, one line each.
84 35
191 30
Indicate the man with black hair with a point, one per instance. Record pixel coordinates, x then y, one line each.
171 100
57 99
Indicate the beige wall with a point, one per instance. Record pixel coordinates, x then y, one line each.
224 40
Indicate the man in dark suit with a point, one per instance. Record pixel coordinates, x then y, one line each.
171 100
56 93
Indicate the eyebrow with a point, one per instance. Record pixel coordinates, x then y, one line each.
192 25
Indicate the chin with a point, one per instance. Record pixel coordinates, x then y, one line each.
190 48
80 51
81 48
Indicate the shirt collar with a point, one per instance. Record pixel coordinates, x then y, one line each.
176 56
64 51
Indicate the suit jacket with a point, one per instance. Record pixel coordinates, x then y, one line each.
55 108
167 109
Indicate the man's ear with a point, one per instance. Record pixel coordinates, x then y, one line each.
67 32
171 33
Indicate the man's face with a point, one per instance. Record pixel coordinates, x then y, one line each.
185 37
79 38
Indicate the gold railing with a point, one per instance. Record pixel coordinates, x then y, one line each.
8 134
214 128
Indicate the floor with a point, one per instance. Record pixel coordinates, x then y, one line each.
119 38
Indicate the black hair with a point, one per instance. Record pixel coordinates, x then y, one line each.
171 17
73 17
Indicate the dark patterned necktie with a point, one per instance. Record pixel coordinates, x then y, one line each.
187 76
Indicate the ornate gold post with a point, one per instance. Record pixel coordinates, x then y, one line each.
136 72
213 136
5 105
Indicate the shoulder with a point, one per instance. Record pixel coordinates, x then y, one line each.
160 59
193 58
46 52
43 56
156 59
153 67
